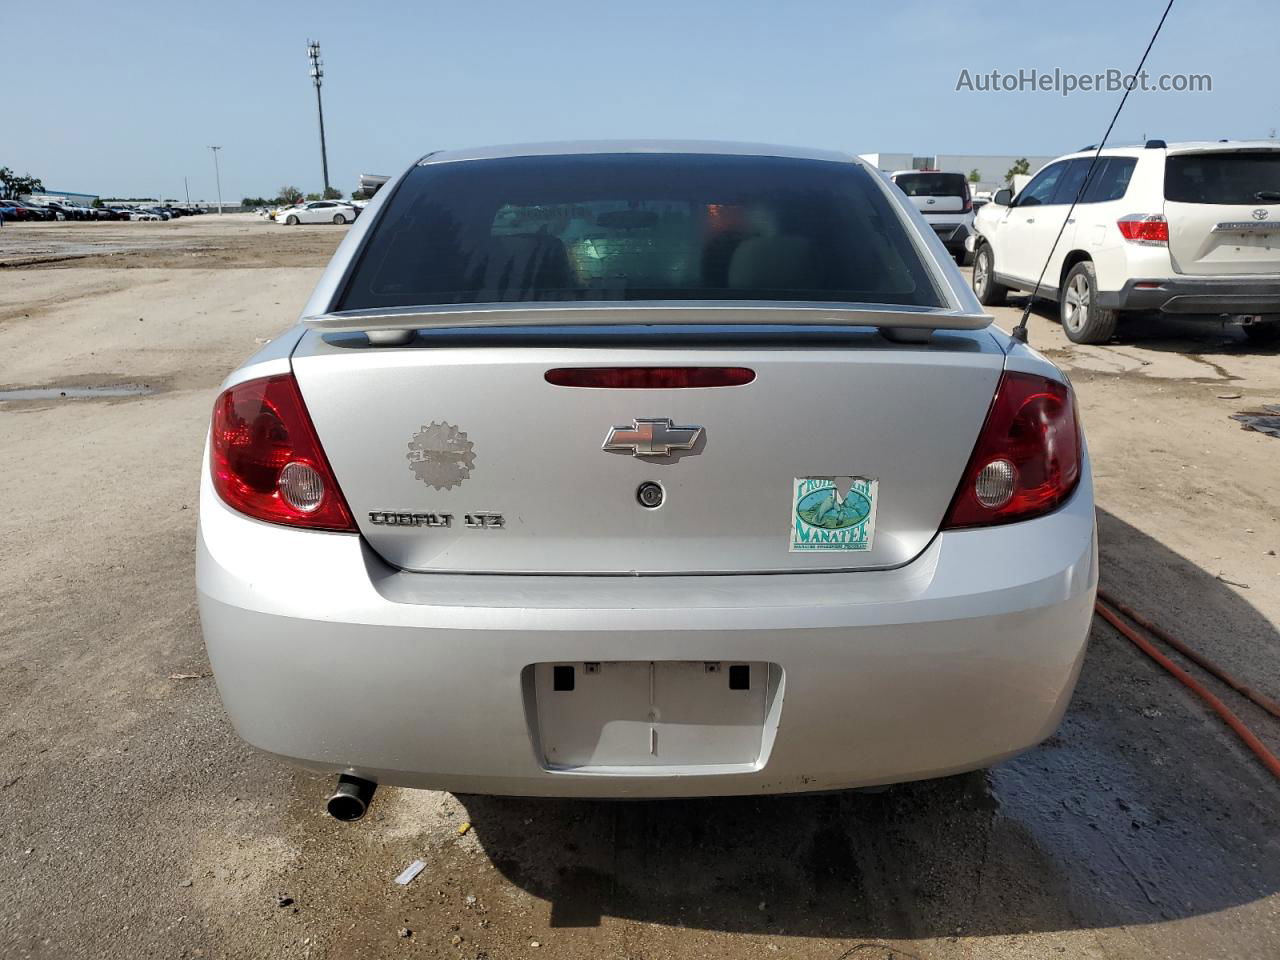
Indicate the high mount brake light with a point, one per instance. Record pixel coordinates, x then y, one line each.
266 459
1151 229
649 378
1027 458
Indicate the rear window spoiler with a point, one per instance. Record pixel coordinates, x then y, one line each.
398 325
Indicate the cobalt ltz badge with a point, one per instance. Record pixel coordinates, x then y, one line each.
833 513
441 455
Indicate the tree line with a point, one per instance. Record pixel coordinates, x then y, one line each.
13 186
288 196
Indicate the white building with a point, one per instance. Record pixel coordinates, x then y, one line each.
992 169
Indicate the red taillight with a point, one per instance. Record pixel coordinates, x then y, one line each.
266 459
1149 228
1027 459
649 378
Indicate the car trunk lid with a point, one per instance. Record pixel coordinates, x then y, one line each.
930 205
456 454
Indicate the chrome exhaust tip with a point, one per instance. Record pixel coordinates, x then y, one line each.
351 798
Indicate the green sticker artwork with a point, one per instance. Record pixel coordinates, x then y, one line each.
833 513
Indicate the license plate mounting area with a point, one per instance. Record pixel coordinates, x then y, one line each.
651 715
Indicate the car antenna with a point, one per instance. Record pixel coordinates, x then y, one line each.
1019 332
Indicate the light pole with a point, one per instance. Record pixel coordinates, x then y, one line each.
218 177
317 75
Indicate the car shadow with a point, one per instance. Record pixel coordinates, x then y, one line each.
1141 809
1191 335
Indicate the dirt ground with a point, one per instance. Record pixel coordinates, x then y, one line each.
136 824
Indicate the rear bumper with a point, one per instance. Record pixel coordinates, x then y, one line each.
328 658
1197 295
952 235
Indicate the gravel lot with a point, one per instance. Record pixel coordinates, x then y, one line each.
137 825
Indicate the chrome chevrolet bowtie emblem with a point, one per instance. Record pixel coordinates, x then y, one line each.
651 438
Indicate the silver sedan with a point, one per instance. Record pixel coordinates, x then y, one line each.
503 512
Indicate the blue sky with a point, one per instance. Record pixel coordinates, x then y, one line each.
124 98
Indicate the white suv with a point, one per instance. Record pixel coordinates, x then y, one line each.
1183 228
945 202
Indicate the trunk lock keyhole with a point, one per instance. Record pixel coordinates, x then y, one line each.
650 494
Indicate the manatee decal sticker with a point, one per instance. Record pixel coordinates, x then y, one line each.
441 455
833 513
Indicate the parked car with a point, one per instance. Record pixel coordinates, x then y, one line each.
21 210
1185 229
65 211
140 213
544 555
39 211
943 199
318 211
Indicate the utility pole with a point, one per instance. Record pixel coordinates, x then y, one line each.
218 176
186 188
317 75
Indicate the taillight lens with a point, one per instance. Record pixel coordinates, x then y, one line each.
266 459
1149 228
1027 459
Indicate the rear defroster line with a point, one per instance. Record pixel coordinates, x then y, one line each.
1105 609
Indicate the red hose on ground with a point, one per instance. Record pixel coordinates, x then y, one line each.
1265 702
1269 759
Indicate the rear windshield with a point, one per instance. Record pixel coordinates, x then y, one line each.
1236 178
626 227
933 184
